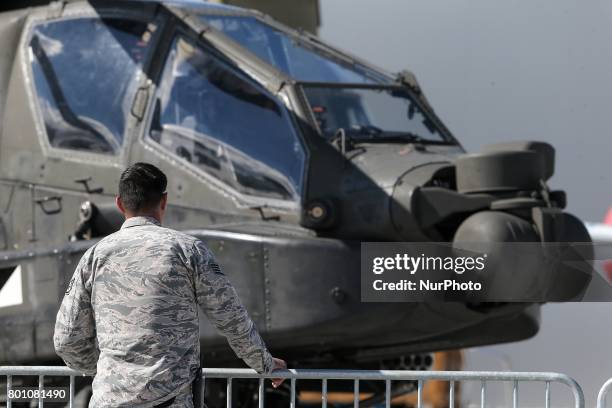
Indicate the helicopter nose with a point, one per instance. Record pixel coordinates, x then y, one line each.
553 267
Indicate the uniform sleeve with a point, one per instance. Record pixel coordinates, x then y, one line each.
219 300
75 332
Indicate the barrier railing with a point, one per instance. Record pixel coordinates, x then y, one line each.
41 372
603 393
356 376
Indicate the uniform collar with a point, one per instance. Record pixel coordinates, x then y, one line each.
136 221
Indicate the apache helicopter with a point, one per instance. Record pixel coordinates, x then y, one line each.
283 154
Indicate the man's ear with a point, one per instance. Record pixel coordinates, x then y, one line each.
164 201
119 204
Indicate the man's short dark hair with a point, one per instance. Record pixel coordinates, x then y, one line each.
141 187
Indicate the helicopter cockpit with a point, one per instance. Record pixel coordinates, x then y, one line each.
219 100
342 94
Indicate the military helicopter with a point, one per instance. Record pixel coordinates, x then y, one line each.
283 154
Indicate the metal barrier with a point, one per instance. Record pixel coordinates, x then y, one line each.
41 372
603 393
388 376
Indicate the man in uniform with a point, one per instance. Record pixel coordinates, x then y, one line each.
130 313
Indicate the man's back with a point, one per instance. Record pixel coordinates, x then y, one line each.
136 294
145 312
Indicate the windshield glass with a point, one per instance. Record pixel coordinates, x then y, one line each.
370 113
288 54
213 117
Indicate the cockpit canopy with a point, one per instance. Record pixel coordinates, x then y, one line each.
343 93
207 109
296 58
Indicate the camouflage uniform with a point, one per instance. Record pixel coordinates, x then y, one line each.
130 316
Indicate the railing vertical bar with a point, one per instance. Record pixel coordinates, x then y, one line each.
261 396
451 395
292 404
203 386
602 395
387 393
356 393
420 394
483 390
41 384
9 385
71 391
324 394
547 397
228 397
515 394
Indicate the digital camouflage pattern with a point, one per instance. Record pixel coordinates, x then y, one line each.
130 315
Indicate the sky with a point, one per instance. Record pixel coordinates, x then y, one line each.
512 70
502 70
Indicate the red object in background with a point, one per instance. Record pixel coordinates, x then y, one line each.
607 265
608 217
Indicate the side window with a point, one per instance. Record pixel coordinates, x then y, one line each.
215 118
85 73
